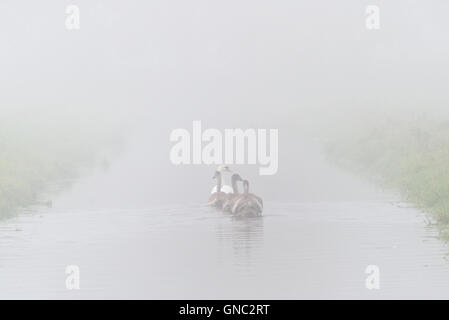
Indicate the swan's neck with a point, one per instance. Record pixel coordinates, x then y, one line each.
219 182
222 180
246 187
234 187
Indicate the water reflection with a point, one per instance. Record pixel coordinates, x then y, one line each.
244 237
306 250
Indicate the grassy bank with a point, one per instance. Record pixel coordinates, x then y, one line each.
41 149
411 156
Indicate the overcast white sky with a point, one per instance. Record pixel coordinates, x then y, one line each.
293 65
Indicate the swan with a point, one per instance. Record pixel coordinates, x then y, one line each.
224 187
217 198
247 204
227 206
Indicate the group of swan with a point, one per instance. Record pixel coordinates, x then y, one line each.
243 204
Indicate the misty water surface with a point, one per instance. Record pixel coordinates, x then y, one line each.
138 228
127 247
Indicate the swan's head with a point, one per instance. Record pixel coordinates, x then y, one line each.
236 177
223 168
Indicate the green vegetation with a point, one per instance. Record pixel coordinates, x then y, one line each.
39 150
411 156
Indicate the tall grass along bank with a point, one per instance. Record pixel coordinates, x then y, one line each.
41 149
411 156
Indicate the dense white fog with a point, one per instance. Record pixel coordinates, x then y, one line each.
135 71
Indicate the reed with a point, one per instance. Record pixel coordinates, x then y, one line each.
43 153
411 156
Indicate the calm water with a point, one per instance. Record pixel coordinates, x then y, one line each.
126 247
298 250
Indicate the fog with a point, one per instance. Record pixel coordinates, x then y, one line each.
137 70
297 66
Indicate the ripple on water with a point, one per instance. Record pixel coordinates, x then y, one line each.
296 250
